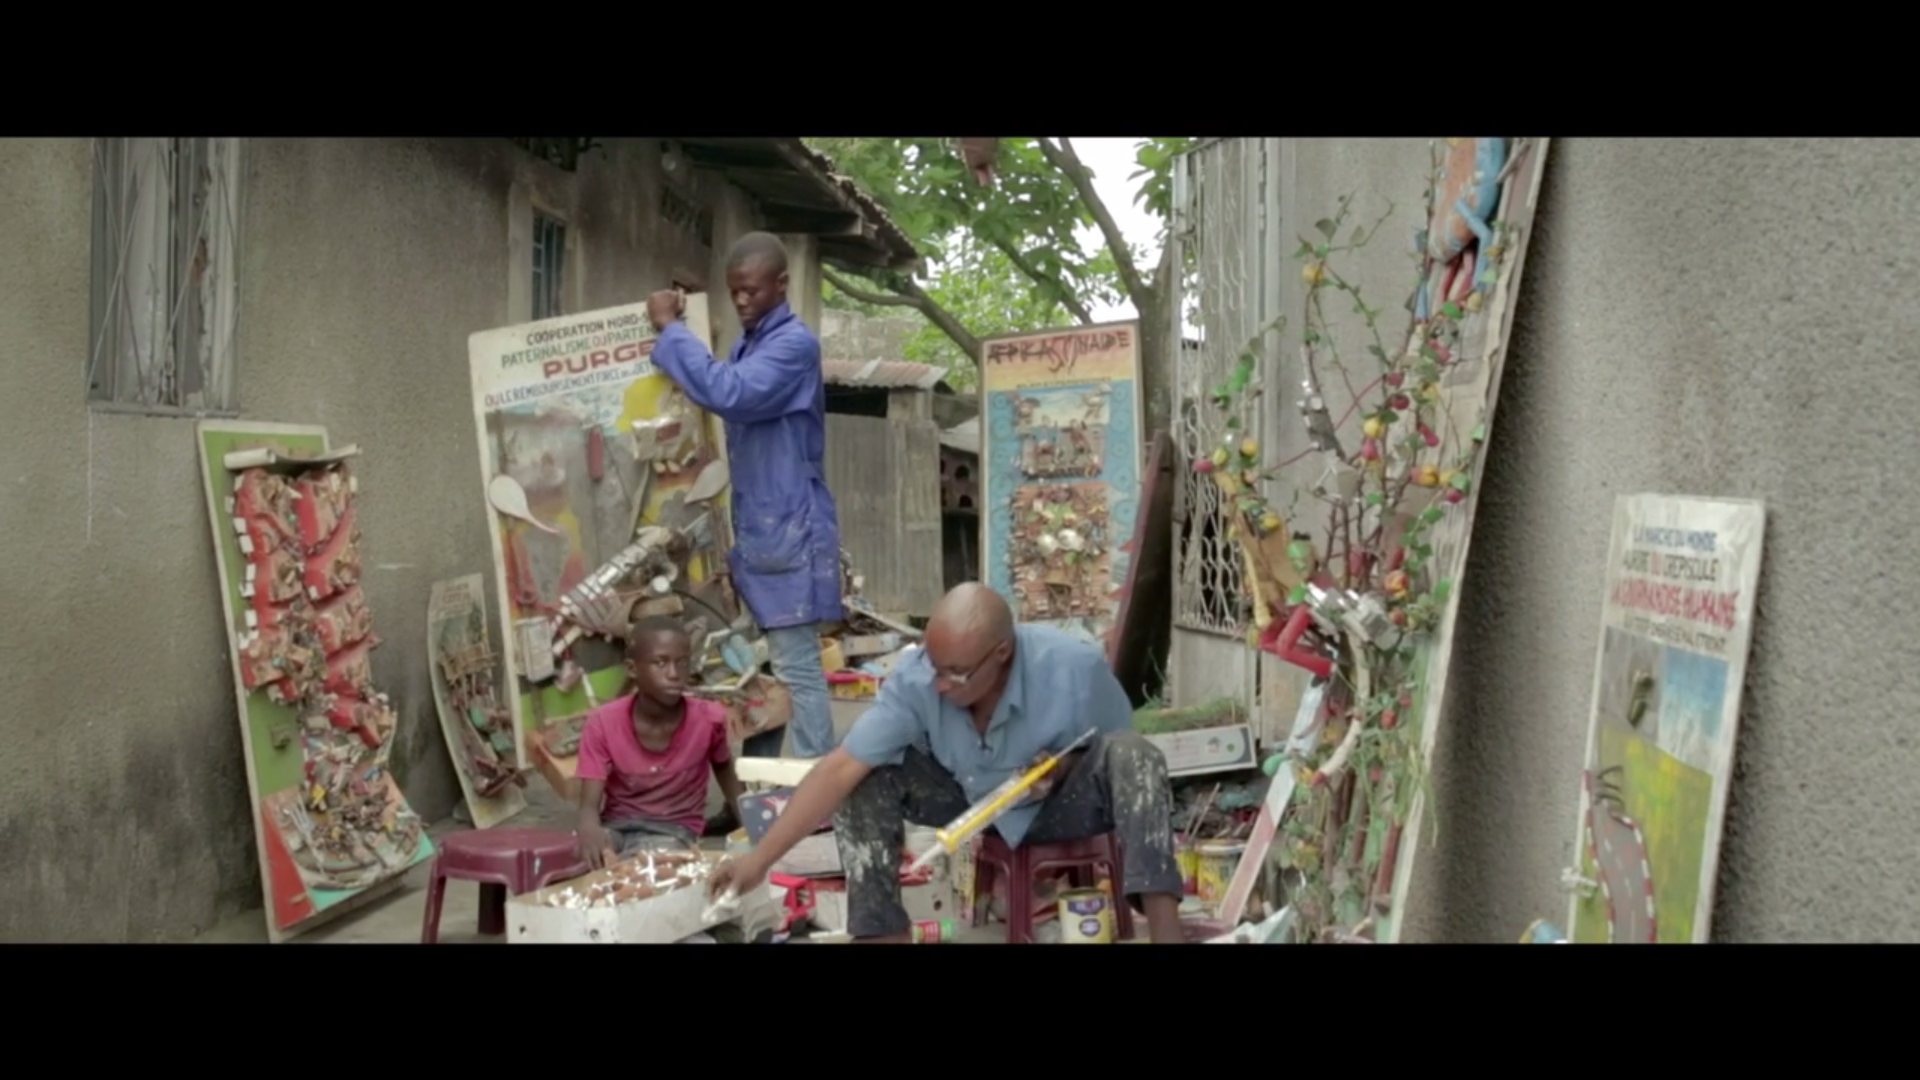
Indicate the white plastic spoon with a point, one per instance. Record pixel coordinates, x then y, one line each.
509 498
709 483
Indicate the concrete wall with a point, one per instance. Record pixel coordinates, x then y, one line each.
366 263
1727 317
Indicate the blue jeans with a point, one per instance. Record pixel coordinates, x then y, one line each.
795 652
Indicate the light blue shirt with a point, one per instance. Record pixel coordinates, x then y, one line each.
1059 687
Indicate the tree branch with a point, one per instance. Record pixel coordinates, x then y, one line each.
1024 265
1063 158
906 294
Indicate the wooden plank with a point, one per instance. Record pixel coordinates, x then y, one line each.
271 771
1468 407
1141 626
916 517
885 479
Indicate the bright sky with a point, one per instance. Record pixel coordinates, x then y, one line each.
1112 162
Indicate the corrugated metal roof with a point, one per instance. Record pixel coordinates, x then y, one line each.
882 374
786 177
963 436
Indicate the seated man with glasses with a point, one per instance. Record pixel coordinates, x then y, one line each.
982 701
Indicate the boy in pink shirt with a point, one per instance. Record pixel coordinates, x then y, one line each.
644 758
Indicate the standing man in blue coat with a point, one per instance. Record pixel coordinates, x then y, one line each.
786 555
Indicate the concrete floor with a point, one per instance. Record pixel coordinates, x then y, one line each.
395 919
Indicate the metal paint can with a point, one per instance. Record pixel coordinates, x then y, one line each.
933 932
1218 860
1086 917
1189 860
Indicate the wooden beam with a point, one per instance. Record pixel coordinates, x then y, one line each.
852 254
733 153
769 173
788 219
790 152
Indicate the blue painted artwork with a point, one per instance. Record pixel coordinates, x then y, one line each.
1063 473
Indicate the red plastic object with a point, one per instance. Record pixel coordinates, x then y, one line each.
504 862
1283 641
1021 865
799 899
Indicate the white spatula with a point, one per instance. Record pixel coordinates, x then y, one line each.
509 498
709 483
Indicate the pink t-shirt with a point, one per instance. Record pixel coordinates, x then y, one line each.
670 786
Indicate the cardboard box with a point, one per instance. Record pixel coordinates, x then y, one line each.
780 772
924 903
852 685
657 920
861 646
832 657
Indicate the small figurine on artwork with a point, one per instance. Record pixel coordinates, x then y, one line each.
261 496
1061 565
671 441
325 496
1461 246
349 672
343 620
1095 401
336 566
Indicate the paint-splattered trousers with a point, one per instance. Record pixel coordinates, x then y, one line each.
1118 785
641 834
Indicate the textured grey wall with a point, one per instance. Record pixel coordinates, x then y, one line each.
1716 317
366 265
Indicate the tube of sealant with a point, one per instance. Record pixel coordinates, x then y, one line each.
989 808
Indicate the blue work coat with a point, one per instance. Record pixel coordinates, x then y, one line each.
786 531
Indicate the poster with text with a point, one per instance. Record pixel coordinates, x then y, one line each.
593 441
1060 478
1681 574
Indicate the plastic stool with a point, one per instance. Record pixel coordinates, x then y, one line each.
1019 866
504 862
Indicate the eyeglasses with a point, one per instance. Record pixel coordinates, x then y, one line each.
960 678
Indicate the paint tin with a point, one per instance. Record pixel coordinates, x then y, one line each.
933 932
1086 917
1218 860
1189 860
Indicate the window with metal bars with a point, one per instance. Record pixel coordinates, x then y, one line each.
165 288
549 257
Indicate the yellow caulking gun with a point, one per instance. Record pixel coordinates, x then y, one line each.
988 810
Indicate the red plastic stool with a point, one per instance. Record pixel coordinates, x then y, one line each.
505 862
1019 866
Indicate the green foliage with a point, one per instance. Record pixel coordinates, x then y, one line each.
1002 258
1155 175
979 286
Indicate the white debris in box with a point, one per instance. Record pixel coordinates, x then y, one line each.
647 875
